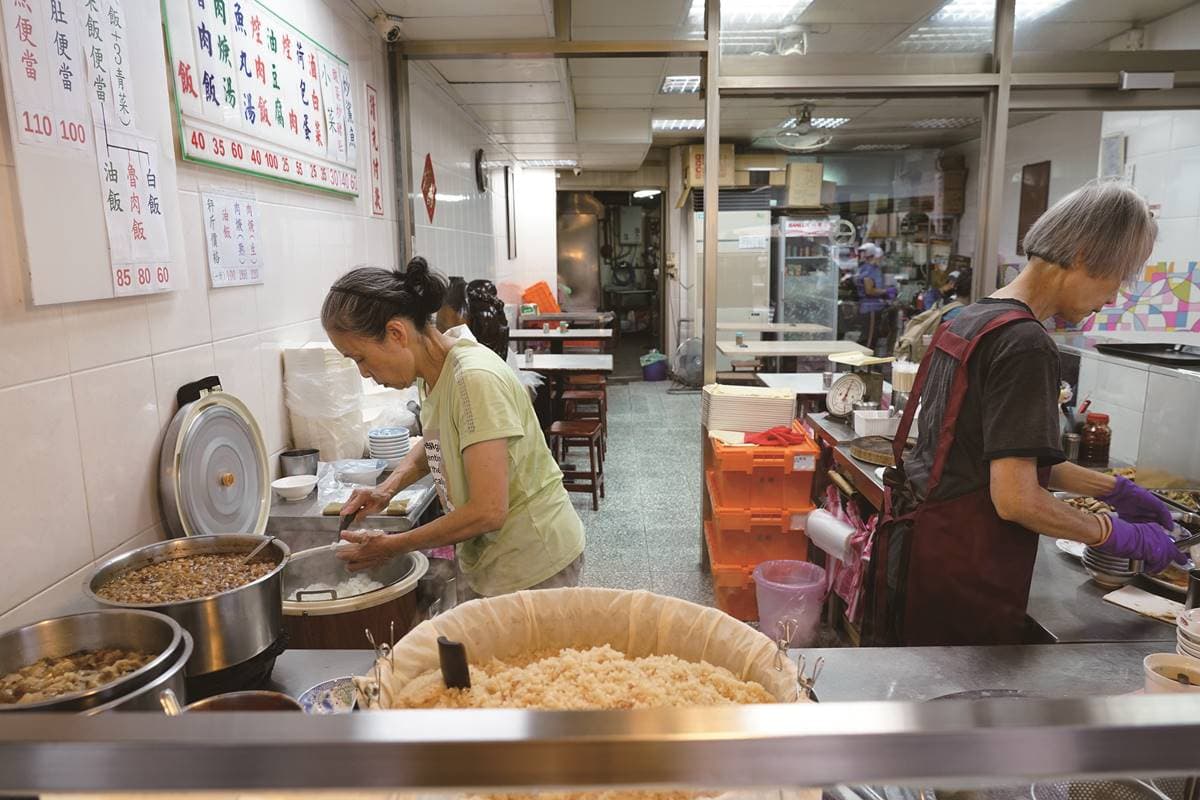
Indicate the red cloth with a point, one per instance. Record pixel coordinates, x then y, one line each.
779 436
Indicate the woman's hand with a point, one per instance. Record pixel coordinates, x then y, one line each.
367 549
366 501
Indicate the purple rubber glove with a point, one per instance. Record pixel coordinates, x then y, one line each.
1143 541
1135 504
891 292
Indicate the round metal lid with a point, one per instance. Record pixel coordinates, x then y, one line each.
317 583
214 477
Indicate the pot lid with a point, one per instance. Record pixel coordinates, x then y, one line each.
213 469
316 582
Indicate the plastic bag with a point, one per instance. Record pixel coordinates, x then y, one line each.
323 392
653 357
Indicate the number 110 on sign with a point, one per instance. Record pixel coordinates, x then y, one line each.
140 278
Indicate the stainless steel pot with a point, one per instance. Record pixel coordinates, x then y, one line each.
92 630
227 628
320 565
146 698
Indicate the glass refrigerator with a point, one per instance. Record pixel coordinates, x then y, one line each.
804 279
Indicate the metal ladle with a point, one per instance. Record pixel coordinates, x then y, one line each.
257 550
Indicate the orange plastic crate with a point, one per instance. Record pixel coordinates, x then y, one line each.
766 476
541 295
733 584
749 536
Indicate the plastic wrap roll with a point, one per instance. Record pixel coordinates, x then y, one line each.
829 533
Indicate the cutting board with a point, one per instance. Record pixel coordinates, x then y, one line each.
1146 604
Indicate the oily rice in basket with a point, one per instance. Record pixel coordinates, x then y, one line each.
185 578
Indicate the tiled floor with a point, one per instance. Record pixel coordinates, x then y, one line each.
646 534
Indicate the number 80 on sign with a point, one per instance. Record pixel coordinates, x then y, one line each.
130 279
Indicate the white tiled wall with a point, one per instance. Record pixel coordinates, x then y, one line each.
536 193
1119 390
1070 141
87 389
1163 152
460 239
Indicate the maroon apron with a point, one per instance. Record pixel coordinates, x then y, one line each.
967 570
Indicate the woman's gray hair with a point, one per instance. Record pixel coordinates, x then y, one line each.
1104 226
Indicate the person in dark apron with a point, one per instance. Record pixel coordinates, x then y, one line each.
963 510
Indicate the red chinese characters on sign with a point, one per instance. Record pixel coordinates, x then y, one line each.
429 186
373 137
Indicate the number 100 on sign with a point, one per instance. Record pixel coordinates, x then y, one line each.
141 279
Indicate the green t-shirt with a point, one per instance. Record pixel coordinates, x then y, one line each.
478 398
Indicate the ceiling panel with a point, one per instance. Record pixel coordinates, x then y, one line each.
562 137
497 70
530 125
482 93
474 27
619 67
592 33
644 12
636 85
678 102
519 111
904 12
1066 36
614 100
854 38
461 8
1128 11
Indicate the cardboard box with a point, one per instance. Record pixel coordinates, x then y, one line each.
828 193
753 162
693 166
777 178
951 161
804 181
741 178
954 201
952 180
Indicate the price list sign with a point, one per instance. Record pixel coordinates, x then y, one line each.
133 212
232 238
257 95
48 72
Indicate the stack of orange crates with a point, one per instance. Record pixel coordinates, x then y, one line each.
761 497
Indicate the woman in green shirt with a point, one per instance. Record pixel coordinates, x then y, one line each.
507 513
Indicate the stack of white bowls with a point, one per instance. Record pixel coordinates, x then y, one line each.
1107 570
390 444
1187 633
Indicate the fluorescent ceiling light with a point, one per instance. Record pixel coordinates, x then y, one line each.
750 12
945 122
680 84
642 194
819 122
879 147
550 162
677 125
966 25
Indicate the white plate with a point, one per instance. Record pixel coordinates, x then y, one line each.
1070 548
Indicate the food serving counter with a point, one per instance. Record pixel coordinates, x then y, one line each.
1066 605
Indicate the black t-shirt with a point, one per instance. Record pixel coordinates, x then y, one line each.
1010 408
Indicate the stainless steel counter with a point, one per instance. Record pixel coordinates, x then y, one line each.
301 524
875 673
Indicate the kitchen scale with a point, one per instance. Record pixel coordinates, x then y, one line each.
860 385
213 472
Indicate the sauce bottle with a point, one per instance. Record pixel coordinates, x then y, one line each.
1094 441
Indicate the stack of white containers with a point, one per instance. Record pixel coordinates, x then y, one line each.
746 408
323 391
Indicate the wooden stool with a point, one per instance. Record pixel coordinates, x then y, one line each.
574 398
586 433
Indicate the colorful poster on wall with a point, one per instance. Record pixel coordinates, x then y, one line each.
255 94
232 238
377 208
46 65
133 203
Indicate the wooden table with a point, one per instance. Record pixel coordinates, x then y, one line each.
558 366
776 349
556 336
774 327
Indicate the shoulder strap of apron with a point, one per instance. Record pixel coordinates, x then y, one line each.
959 349
914 398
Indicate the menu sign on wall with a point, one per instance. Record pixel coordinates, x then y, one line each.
232 239
255 94
374 150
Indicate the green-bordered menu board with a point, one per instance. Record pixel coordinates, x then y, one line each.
254 94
